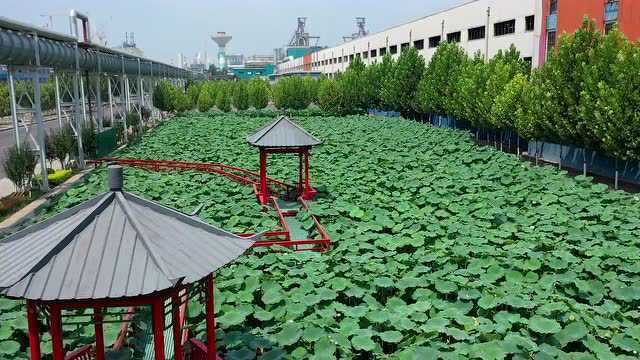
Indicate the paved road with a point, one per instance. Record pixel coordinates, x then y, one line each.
7 140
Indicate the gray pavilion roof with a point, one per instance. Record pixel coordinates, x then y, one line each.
283 133
115 245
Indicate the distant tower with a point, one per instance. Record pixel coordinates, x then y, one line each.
361 24
301 37
222 39
180 60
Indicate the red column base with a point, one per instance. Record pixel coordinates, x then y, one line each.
263 198
309 194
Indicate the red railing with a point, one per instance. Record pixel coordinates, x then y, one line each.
235 173
243 176
199 350
83 353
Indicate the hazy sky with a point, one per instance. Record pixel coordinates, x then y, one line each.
163 28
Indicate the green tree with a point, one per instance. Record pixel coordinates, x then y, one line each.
611 97
564 75
330 97
5 106
259 93
207 96
400 89
241 95
438 85
353 88
223 97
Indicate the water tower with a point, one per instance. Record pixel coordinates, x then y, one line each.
222 39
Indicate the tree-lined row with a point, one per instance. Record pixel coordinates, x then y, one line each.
205 96
587 94
47 94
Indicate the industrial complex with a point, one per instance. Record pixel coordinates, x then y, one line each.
479 26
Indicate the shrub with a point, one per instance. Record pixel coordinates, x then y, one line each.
59 176
90 141
19 165
62 145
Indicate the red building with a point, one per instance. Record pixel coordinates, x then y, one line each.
565 16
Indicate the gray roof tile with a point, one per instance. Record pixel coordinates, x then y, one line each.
283 133
116 245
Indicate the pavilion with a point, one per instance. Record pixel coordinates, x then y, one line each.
116 250
284 136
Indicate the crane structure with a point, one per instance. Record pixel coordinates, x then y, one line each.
301 38
361 23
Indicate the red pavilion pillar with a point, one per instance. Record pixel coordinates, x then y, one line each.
97 323
34 334
55 323
263 194
157 311
177 330
212 350
300 173
309 192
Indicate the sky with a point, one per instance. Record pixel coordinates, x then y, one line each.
163 27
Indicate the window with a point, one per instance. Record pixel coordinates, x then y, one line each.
528 60
404 46
608 26
340 60
374 53
383 51
530 23
476 33
393 49
551 42
418 44
504 28
346 58
453 37
365 54
351 57
553 6
434 41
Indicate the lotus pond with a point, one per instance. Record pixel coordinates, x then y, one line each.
442 249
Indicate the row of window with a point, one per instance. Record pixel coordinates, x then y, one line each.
476 33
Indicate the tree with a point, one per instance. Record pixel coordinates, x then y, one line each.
330 97
400 89
564 75
241 95
223 97
258 93
19 165
207 96
611 97
508 105
438 84
353 88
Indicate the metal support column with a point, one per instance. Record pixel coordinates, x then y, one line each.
44 186
76 109
99 114
58 101
111 117
14 108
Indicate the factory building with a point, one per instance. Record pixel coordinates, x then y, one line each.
484 26
565 16
478 26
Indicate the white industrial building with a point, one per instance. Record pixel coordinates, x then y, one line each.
478 26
